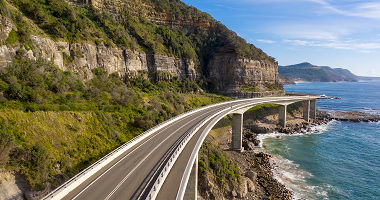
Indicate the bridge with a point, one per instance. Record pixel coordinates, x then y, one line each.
161 163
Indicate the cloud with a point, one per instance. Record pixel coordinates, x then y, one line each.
266 41
313 30
364 47
367 10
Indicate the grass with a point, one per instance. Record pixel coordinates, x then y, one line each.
12 38
213 160
59 125
221 127
251 89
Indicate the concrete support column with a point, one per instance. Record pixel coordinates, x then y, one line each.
313 109
282 115
237 131
191 192
306 110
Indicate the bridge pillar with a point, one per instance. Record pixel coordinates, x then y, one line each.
282 115
313 109
237 131
191 192
306 110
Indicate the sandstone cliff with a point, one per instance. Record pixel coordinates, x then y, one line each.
83 57
183 45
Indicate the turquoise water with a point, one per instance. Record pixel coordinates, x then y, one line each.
343 160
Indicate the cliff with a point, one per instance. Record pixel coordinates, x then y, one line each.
313 73
164 39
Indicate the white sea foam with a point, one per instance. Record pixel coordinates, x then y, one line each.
371 111
294 179
288 173
318 129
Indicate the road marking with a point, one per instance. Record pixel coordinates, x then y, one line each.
127 176
270 99
89 185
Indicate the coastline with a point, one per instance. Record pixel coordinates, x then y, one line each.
285 171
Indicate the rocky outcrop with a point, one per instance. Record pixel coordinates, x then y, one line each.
83 57
230 73
11 187
223 71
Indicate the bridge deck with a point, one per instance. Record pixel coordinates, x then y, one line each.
131 175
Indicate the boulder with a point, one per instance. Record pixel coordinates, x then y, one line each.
251 175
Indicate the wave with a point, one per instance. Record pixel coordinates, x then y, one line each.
289 173
295 179
318 129
371 111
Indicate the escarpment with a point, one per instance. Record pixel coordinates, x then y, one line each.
166 39
83 57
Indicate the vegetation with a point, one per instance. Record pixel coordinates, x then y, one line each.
251 89
131 29
273 86
259 110
213 160
52 125
309 72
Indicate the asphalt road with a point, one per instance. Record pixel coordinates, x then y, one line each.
131 175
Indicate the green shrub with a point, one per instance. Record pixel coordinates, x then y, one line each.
67 124
213 160
12 38
6 145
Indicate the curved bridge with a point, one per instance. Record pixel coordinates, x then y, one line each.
161 163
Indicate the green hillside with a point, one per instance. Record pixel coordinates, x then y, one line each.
197 38
52 125
312 73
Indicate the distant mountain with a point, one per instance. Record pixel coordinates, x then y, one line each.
308 72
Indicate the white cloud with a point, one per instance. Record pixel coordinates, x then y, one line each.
367 10
364 47
313 31
266 41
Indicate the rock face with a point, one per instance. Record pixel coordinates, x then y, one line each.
83 57
10 187
226 72
229 72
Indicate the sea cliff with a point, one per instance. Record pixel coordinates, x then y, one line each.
134 37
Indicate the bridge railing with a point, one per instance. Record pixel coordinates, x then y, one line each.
170 163
79 178
184 180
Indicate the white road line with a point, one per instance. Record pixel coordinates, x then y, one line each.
157 146
89 185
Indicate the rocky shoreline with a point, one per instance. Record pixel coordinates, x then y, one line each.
264 164
350 116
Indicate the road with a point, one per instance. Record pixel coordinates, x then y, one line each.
132 174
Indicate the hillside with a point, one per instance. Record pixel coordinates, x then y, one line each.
79 78
163 39
312 73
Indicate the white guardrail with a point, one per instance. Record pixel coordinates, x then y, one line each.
186 175
82 176
165 172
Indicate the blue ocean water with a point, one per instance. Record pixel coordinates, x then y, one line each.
343 160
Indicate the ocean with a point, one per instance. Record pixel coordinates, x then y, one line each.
342 160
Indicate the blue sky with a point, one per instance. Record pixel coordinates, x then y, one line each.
336 33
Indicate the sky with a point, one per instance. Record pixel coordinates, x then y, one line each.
335 33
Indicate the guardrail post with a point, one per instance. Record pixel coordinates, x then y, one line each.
282 115
237 131
306 110
313 109
191 192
